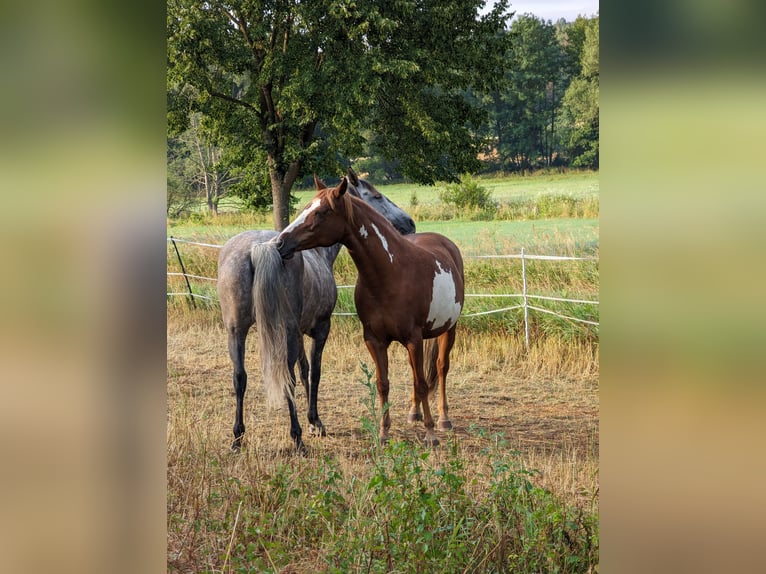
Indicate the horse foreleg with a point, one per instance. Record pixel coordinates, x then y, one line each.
420 388
414 415
237 353
303 367
379 353
445 342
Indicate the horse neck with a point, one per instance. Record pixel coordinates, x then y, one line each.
370 255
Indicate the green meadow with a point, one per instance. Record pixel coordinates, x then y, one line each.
548 214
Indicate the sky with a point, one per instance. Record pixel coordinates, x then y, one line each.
555 9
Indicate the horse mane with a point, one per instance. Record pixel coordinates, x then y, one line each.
346 200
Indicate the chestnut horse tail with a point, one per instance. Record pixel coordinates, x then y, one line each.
272 311
430 356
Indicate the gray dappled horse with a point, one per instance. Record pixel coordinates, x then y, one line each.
287 300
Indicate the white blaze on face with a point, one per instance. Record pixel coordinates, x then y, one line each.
303 215
383 241
363 231
444 309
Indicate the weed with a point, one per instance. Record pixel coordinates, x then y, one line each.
416 513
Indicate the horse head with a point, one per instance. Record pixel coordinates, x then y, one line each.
321 224
387 208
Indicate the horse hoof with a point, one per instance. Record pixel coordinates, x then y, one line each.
236 446
445 425
317 430
414 417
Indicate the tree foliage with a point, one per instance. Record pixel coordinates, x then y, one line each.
581 103
296 84
543 113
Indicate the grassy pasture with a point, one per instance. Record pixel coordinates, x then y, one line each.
514 487
582 187
503 189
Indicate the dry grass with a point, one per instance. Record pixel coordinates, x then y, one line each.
544 405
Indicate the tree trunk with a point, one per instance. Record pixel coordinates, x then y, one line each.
281 185
280 199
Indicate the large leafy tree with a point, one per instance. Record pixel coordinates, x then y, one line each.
581 103
297 82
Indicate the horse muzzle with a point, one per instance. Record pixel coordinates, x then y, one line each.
285 249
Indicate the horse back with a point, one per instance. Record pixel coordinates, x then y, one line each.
440 247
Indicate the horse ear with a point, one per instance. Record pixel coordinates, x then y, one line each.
342 187
318 183
352 177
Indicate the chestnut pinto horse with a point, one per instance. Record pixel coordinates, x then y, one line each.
409 288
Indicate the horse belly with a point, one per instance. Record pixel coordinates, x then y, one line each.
446 302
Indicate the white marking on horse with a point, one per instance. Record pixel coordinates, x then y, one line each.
363 232
383 241
302 217
444 309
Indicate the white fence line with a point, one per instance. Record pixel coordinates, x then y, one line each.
527 256
186 294
194 276
525 296
177 240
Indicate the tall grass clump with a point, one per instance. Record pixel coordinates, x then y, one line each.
548 206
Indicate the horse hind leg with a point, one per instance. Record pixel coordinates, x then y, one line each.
294 346
415 414
236 341
415 351
303 367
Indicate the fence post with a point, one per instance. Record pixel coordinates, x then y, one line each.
183 270
524 295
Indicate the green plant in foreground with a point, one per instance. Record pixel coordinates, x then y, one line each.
421 511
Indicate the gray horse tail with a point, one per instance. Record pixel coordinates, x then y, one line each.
272 312
430 356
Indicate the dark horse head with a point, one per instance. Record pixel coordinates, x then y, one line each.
387 208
